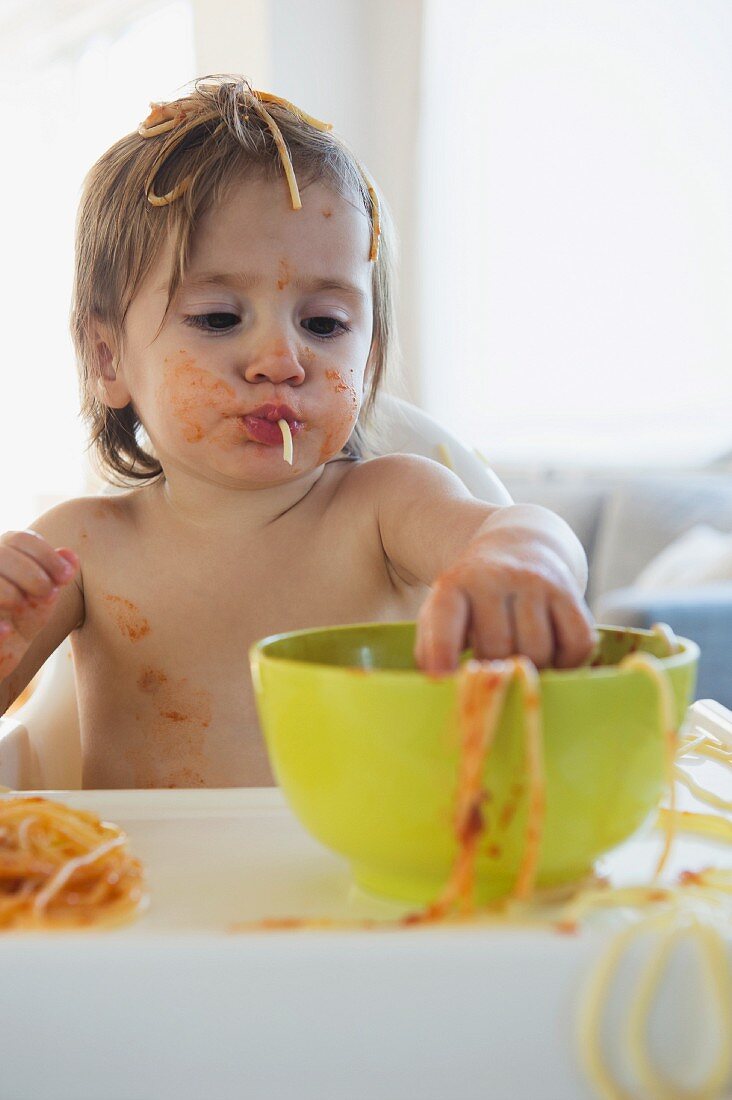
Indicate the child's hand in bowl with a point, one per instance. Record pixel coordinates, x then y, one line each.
504 598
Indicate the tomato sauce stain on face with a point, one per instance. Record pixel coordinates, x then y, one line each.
339 386
131 622
335 437
191 391
284 278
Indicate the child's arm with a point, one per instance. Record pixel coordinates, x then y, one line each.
41 601
505 579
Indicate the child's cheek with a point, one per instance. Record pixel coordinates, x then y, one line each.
343 388
192 400
342 412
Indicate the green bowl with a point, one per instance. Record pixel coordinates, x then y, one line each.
366 750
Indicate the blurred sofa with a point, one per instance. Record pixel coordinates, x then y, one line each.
624 521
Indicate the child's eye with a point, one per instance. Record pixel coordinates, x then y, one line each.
213 322
325 327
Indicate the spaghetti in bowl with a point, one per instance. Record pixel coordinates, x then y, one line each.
367 750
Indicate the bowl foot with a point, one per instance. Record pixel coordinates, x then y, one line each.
391 885
400 886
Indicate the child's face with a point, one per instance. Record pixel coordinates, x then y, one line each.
259 330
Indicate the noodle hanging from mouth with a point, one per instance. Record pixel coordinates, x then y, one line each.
286 440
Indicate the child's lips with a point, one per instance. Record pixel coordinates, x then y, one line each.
262 423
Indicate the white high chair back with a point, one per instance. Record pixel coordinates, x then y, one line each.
39 745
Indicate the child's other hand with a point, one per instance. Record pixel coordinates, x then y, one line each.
504 599
32 575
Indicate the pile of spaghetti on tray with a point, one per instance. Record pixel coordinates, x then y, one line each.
62 868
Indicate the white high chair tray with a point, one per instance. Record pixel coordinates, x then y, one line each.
177 1005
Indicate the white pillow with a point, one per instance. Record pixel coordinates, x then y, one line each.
701 555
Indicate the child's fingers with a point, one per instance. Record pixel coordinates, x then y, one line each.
61 564
71 558
32 547
574 632
23 574
28 562
441 629
10 595
491 628
532 624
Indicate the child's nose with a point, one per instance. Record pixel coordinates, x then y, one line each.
275 362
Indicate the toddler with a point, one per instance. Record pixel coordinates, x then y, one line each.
233 318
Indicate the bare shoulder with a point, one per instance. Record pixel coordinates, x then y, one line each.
76 521
405 499
424 512
393 475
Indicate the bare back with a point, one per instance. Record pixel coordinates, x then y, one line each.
170 611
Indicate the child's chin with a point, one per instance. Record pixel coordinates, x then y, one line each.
272 470
260 465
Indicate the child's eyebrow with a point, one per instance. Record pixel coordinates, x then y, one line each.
245 281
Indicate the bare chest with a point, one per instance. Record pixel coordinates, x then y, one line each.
162 665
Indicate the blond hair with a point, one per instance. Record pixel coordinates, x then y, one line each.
120 230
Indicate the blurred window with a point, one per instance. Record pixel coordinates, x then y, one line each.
576 228
75 78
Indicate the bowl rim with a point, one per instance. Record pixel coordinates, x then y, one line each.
689 654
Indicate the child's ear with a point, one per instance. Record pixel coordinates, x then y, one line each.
110 381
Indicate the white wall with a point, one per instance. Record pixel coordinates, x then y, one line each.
74 78
576 228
